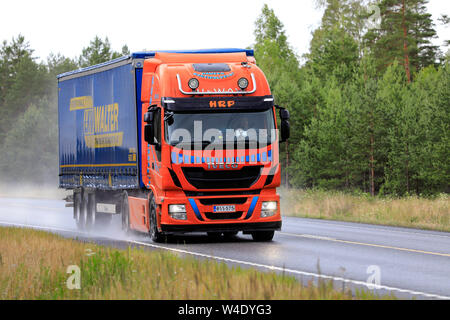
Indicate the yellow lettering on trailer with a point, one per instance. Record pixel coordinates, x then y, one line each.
100 123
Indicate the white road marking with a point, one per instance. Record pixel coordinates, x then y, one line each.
293 271
365 244
370 227
248 263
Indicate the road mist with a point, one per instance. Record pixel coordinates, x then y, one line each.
43 207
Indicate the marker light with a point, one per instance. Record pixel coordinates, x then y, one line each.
243 83
193 83
268 208
177 211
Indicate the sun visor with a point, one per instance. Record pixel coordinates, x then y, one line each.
218 104
211 67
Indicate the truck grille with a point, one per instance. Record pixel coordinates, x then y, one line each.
222 179
211 201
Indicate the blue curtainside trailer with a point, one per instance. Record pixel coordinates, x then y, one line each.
98 127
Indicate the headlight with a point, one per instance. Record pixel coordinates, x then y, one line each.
243 83
177 211
268 208
193 83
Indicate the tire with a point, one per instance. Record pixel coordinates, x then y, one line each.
263 235
125 214
84 211
230 234
77 203
91 212
215 236
155 234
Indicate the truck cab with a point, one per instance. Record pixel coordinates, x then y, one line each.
210 144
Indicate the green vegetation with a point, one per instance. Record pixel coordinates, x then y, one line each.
33 265
28 108
369 103
412 211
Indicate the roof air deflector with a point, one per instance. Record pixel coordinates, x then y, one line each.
211 67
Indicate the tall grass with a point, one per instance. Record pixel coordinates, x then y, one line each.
33 265
413 211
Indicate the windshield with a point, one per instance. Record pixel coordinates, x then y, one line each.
240 129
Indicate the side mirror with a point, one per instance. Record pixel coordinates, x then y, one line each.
149 132
284 114
285 130
285 126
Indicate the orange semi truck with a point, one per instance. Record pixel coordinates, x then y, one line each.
173 142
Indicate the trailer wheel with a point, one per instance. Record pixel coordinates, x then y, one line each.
91 208
77 204
263 235
84 207
125 214
155 234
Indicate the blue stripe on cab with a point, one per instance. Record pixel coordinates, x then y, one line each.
195 208
174 157
264 156
252 207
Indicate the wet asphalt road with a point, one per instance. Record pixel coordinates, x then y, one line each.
408 263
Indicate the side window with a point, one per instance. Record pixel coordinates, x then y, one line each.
157 127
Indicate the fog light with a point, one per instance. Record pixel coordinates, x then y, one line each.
177 211
243 83
268 208
193 83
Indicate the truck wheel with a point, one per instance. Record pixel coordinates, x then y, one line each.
155 234
230 234
263 235
125 214
91 208
214 236
77 204
84 208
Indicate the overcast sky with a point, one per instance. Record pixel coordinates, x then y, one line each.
68 26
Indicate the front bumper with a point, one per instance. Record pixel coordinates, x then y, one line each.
222 227
201 218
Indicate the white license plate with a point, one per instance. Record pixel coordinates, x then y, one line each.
230 208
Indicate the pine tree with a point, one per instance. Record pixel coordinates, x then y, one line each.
404 35
22 80
280 65
99 51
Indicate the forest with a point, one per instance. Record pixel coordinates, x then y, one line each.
369 102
